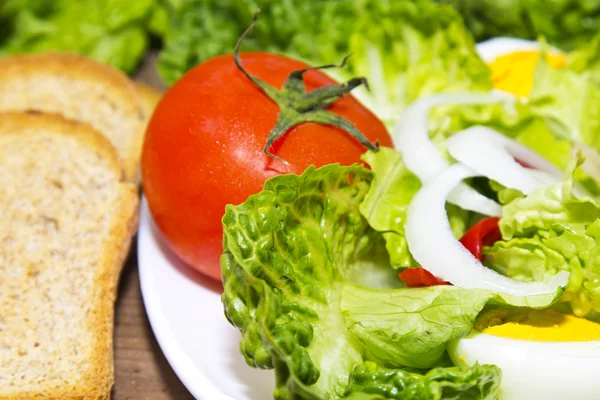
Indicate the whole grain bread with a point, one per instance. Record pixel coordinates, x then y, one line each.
67 222
80 89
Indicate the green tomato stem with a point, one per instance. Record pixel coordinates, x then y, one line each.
297 106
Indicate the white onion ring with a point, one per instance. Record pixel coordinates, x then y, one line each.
434 247
420 155
491 154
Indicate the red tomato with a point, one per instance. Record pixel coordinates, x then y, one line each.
484 233
203 148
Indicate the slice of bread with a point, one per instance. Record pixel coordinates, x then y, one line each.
149 98
67 219
80 89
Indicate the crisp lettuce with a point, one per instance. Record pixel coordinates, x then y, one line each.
548 231
570 96
295 284
566 23
406 49
387 200
113 31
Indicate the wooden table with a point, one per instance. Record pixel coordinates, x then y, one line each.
141 370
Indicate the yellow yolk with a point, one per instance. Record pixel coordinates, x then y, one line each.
537 325
513 72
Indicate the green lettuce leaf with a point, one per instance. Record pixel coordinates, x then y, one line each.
548 205
570 96
411 327
548 231
111 31
387 200
371 382
565 23
295 285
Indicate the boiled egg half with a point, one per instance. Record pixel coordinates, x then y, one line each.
543 354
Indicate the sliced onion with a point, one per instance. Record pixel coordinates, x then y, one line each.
434 247
421 156
491 154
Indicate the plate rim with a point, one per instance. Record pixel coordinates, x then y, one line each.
199 386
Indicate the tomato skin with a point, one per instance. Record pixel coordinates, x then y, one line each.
204 148
484 233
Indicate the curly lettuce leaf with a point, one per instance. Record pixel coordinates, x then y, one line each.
565 23
547 206
114 31
371 382
202 29
546 232
570 96
295 285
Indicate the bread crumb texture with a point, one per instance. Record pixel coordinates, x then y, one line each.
66 224
80 89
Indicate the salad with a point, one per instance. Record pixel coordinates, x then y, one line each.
451 252
463 264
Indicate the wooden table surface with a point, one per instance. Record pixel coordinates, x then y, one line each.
141 370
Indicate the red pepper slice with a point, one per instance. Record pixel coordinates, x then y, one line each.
420 277
524 164
484 233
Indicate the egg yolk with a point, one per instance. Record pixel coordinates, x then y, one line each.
513 72
537 325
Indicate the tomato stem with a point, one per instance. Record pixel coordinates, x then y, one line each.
297 106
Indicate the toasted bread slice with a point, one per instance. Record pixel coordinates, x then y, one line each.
67 222
80 89
149 98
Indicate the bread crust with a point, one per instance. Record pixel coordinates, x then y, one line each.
120 90
149 98
99 377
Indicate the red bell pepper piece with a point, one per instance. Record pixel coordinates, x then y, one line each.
484 233
524 164
420 277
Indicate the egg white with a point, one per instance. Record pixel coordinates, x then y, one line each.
492 48
535 370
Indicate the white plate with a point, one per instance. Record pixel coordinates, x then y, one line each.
187 318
